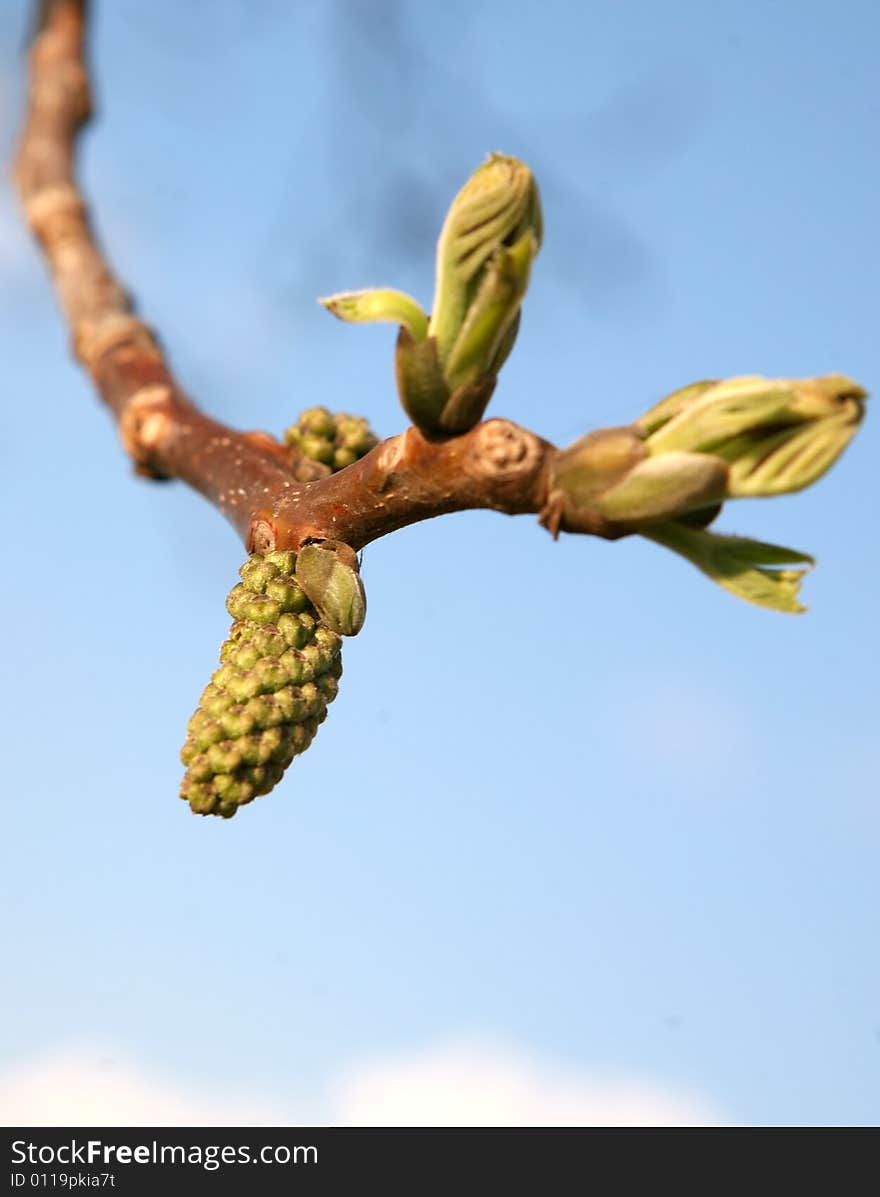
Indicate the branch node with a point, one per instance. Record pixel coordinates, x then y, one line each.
506 448
93 338
44 207
276 495
144 423
508 459
261 537
391 454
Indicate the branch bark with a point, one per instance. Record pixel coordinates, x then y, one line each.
268 491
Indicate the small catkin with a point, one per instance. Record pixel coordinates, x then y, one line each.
279 670
337 440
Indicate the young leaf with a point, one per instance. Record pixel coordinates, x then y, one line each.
379 305
749 569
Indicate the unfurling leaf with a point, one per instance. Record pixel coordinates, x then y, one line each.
775 435
498 207
379 305
446 365
759 573
667 475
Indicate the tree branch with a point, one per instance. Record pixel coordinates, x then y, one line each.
274 496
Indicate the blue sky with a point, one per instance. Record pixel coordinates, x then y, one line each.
579 824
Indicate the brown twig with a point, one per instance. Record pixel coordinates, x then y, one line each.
266 490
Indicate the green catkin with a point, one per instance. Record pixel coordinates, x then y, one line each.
279 666
336 440
279 670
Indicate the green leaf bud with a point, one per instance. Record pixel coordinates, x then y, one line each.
595 463
775 435
661 488
420 382
446 366
494 308
498 207
742 438
329 575
661 413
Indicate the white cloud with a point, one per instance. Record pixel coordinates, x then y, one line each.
91 1086
475 1084
460 1083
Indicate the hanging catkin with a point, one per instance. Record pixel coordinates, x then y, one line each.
279 671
